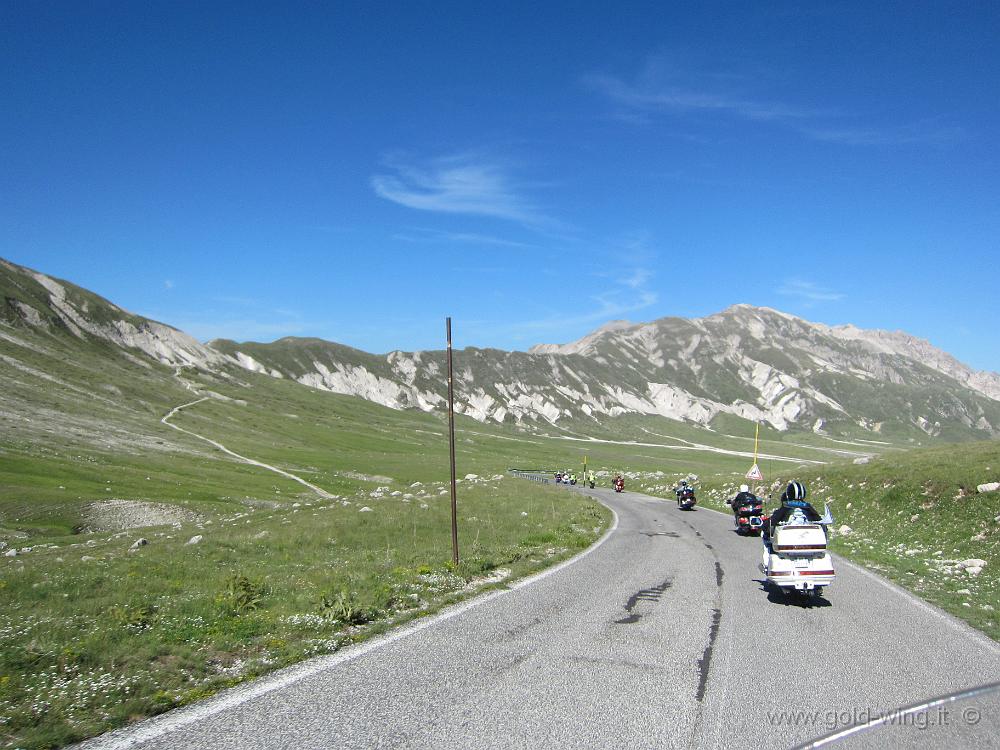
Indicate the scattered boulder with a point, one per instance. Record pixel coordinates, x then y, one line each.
196 539
10 553
140 542
261 534
989 487
863 460
972 562
87 558
524 512
845 530
471 477
974 570
365 509
914 518
966 592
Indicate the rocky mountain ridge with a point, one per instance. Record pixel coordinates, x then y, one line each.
753 363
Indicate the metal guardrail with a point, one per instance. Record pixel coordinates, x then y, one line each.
532 475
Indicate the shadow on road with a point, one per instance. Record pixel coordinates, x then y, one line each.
777 595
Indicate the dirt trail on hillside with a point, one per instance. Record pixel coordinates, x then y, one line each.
253 462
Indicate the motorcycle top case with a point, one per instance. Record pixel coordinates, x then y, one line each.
799 541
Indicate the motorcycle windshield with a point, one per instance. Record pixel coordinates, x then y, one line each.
968 719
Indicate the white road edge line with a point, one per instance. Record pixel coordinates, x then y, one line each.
120 739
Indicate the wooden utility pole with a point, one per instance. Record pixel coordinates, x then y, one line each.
451 443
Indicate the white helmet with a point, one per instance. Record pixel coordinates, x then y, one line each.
744 488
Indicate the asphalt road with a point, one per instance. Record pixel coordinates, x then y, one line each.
661 636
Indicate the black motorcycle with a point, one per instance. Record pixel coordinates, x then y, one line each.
686 499
749 516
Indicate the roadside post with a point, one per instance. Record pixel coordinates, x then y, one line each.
451 446
755 473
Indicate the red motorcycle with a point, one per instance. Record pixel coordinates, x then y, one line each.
619 484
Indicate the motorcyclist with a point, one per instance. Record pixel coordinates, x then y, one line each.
618 480
591 478
743 497
682 487
792 499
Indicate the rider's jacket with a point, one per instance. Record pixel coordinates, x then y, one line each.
743 498
787 508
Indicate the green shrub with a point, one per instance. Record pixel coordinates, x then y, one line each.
241 594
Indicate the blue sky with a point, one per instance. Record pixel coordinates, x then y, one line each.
359 171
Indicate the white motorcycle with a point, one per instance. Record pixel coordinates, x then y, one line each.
797 558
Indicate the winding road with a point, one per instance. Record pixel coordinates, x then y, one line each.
662 635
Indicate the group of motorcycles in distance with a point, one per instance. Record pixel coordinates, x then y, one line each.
565 477
795 556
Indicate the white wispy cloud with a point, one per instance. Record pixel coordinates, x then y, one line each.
808 291
647 96
466 238
923 131
168 284
659 90
604 307
624 283
637 278
460 184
